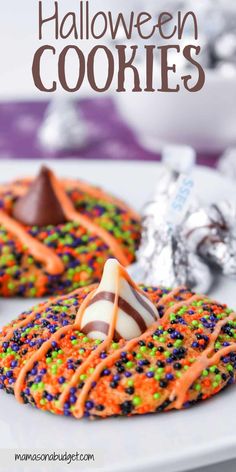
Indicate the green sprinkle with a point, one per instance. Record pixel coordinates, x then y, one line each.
33 292
41 386
139 356
157 376
166 354
137 401
83 377
160 370
143 348
195 323
115 345
228 311
156 396
11 286
178 343
65 258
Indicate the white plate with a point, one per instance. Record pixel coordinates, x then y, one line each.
167 442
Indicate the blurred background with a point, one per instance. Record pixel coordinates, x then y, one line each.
114 125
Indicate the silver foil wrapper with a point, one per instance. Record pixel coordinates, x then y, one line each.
217 31
211 233
63 128
164 258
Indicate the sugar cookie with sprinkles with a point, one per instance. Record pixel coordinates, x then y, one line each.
118 349
56 234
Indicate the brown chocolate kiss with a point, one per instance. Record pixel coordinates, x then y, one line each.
39 206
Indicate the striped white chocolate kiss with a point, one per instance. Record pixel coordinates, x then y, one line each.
120 303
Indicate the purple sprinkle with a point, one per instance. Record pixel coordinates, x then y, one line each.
103 355
128 374
61 380
106 372
38 379
116 378
169 376
89 405
150 374
73 399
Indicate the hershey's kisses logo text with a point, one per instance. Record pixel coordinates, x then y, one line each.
121 56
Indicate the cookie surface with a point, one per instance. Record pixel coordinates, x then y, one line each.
56 259
183 358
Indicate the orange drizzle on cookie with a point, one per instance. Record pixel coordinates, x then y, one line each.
178 394
77 325
48 257
203 362
71 214
100 195
41 309
52 262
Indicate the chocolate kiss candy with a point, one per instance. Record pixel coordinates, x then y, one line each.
39 206
135 311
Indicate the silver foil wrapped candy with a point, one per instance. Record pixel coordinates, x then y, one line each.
211 232
63 128
164 258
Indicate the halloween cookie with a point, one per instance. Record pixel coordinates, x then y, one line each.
55 235
119 349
